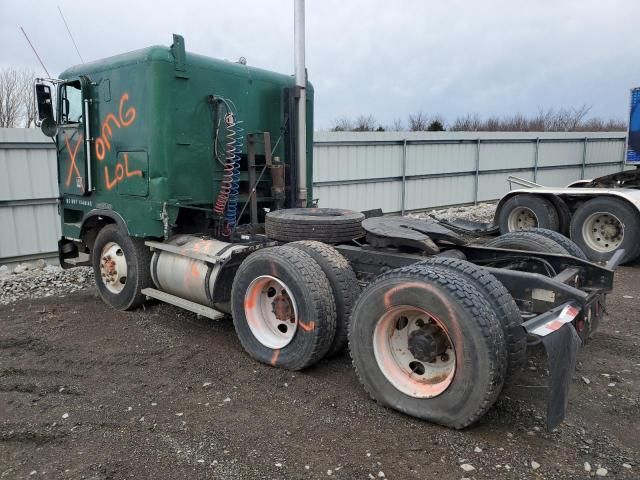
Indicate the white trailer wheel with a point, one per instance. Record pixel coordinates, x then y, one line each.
522 218
603 232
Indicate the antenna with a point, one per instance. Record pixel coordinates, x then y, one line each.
70 35
34 51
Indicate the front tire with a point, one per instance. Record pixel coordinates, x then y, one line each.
121 268
447 364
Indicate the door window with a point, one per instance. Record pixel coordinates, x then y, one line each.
71 103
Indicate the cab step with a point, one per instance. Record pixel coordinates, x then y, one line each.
183 303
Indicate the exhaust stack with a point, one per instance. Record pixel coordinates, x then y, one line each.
301 83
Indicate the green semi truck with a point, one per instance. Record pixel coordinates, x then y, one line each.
187 180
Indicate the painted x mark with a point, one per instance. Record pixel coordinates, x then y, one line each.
73 166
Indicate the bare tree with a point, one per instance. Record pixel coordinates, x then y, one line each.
418 122
342 124
27 78
396 125
468 123
17 104
10 97
365 123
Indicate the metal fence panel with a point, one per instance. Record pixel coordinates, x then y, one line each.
28 193
419 170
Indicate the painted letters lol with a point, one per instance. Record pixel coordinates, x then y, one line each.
125 117
122 172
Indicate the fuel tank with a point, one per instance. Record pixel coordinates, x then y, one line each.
188 266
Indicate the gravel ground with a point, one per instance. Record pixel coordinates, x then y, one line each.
89 392
38 280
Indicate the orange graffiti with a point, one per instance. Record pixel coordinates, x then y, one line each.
274 357
124 119
307 327
72 155
130 114
122 172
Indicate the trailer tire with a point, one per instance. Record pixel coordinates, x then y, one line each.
569 245
527 241
128 258
586 219
500 300
525 211
454 305
344 286
329 225
305 293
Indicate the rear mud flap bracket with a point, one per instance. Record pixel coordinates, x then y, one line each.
561 341
562 348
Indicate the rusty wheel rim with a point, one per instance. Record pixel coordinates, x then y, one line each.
414 352
271 312
113 267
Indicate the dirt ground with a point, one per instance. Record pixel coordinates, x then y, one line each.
90 393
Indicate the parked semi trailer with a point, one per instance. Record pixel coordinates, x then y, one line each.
188 180
601 215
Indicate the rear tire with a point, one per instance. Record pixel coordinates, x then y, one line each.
569 245
604 225
500 300
527 241
283 310
344 286
121 267
525 211
453 305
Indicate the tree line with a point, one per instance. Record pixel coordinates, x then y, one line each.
550 120
17 103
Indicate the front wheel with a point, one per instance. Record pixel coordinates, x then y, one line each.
427 343
121 268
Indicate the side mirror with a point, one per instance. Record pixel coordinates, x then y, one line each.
45 109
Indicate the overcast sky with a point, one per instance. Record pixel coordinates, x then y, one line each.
385 58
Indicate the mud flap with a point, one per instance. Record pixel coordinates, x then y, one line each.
561 342
562 349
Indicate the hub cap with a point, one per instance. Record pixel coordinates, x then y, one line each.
522 218
113 267
603 232
414 352
272 314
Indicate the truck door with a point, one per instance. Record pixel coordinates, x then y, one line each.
73 138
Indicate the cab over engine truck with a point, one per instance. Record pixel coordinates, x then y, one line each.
188 180
601 215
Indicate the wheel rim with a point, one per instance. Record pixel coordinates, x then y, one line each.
603 232
414 352
271 311
113 267
522 218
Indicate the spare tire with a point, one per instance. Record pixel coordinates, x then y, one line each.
329 225
527 241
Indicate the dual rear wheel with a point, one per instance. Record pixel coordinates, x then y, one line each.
424 339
